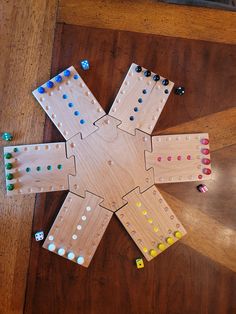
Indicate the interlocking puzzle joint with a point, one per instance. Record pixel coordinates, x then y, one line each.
101 153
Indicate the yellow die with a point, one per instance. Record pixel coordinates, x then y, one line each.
139 263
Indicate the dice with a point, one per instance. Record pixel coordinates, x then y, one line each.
139 263
180 91
84 65
6 136
202 188
39 235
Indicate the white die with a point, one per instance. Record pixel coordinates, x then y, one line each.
39 236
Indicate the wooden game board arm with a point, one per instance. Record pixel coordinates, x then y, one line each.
141 99
37 168
78 228
69 104
150 221
180 158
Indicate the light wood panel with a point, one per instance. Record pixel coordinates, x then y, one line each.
27 30
180 157
69 104
150 222
110 163
140 99
78 228
37 168
152 17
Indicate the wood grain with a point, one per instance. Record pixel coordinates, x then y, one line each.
70 104
189 63
178 274
221 127
179 158
26 43
35 168
206 234
113 157
150 222
140 100
78 228
181 279
152 17
218 202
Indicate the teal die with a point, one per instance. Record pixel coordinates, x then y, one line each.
39 235
84 65
6 136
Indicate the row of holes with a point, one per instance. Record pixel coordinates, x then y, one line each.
17 149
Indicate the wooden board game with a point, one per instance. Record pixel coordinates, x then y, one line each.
109 162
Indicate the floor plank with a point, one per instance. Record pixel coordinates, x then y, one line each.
221 127
210 217
26 45
192 276
152 17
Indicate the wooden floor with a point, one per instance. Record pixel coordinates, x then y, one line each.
196 275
